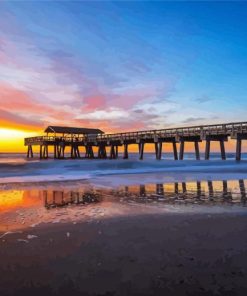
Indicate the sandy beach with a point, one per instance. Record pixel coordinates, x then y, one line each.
76 238
149 254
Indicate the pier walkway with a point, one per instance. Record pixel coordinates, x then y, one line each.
60 138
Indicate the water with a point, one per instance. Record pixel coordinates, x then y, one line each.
34 192
21 157
74 203
15 168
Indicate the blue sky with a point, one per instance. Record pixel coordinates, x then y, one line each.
122 65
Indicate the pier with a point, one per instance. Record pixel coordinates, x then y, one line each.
62 138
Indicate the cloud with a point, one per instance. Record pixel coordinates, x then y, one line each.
15 99
203 99
45 77
110 114
94 102
13 120
193 119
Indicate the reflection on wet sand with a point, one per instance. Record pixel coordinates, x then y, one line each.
193 192
197 192
24 208
54 198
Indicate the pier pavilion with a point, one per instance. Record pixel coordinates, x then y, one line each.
61 137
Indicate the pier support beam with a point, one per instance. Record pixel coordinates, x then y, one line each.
126 154
73 152
55 151
158 150
239 137
45 151
197 152
63 150
113 151
175 151
181 150
195 140
102 152
222 150
141 150
29 151
40 151
77 151
217 138
60 150
207 150
238 149
89 152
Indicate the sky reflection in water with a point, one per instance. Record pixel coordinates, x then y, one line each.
20 209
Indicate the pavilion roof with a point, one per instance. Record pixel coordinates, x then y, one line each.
72 130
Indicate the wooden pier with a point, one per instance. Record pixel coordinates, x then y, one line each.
61 138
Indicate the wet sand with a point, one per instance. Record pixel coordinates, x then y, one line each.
171 254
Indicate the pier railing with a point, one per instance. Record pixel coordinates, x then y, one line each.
229 129
215 129
52 139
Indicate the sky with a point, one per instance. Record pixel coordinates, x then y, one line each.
120 66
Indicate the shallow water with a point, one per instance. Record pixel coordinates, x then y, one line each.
35 206
119 171
21 157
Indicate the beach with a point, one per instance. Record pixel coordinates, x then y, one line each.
135 228
181 254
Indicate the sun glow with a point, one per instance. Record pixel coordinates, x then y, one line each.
12 140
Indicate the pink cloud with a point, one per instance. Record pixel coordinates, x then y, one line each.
94 102
14 99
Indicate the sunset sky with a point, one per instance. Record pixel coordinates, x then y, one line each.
120 66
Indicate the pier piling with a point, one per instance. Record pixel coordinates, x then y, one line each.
141 150
238 149
126 154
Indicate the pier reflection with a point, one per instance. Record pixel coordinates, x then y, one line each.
54 198
29 207
213 192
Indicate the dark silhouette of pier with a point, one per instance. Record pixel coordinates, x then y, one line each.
61 138
202 192
60 198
